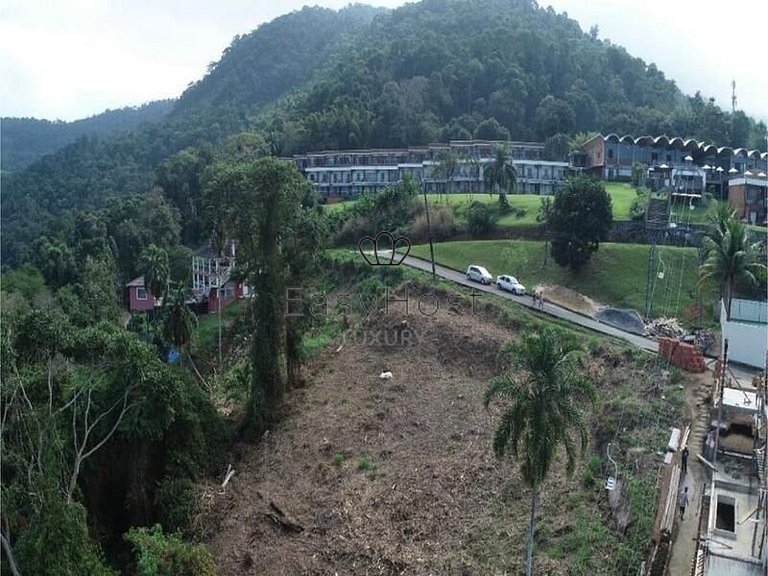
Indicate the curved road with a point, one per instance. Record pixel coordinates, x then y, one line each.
549 308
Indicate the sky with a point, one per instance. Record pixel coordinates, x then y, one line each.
69 59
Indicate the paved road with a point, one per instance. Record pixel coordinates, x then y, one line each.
549 308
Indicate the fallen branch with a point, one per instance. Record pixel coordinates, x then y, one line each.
707 462
228 475
9 555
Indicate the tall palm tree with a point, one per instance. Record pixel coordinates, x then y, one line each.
543 391
731 259
179 320
448 165
154 265
501 175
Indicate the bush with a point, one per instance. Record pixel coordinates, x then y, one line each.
57 543
480 220
637 208
441 217
168 555
592 472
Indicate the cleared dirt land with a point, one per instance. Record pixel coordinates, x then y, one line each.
372 476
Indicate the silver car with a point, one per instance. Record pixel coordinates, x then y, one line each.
479 274
510 284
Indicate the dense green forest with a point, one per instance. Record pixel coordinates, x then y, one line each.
24 140
316 78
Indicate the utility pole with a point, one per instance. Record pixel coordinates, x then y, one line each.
723 372
429 228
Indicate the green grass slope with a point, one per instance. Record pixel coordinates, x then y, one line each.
616 275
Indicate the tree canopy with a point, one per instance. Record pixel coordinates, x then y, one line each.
580 218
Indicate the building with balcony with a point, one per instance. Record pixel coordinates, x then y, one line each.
611 157
748 196
350 173
212 284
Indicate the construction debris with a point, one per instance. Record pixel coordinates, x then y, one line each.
664 327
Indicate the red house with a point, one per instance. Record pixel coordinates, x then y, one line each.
139 298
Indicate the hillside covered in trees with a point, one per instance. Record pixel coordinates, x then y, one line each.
317 78
24 140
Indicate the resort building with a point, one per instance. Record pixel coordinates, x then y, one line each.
611 157
350 173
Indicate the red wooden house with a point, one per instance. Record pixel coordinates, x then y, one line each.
139 297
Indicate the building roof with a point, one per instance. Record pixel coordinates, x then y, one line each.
137 282
678 142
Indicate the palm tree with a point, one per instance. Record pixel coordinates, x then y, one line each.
501 175
542 391
720 213
731 259
179 320
448 165
154 265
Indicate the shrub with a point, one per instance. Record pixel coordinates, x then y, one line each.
441 218
56 542
592 472
162 554
480 219
637 208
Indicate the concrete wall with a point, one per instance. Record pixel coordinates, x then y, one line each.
747 342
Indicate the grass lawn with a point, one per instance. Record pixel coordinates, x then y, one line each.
622 195
205 337
525 206
616 275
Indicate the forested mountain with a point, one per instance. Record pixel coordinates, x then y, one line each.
440 69
315 79
281 55
24 140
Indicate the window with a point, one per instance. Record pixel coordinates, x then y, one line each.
725 517
141 293
610 153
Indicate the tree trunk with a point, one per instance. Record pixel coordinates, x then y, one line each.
728 298
532 528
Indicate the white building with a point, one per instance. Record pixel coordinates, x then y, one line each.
350 173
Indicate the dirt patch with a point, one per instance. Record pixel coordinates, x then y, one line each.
570 299
366 475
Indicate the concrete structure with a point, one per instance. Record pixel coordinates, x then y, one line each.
748 196
350 173
746 331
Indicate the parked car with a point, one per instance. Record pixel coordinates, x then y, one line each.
510 284
479 274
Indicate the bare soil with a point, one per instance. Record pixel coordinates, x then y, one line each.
372 476
570 299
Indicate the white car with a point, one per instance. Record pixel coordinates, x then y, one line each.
479 274
510 284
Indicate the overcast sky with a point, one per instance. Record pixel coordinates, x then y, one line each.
73 58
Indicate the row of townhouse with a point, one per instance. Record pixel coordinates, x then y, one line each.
350 173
